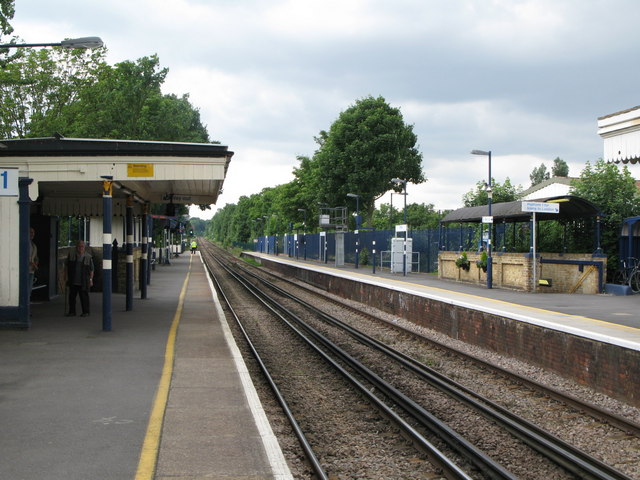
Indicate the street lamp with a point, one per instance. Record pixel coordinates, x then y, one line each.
404 250
358 219
490 223
304 231
84 42
357 197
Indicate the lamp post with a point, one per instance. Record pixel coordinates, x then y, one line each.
490 223
357 197
304 231
84 43
24 226
322 248
260 219
406 228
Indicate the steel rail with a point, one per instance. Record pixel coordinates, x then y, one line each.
562 453
439 459
601 414
304 442
469 451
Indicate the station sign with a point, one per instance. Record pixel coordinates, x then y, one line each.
9 181
140 170
540 207
170 197
487 219
401 228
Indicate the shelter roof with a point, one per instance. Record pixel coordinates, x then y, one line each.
571 207
67 172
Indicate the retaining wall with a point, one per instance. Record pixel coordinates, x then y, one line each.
607 368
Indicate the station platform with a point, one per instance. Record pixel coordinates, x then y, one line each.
603 317
165 394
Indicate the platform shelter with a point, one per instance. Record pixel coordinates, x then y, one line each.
554 272
110 182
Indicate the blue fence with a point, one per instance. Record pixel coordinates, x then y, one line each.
426 242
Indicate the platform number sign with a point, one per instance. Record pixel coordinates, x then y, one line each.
8 181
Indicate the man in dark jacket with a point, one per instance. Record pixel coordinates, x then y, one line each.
79 278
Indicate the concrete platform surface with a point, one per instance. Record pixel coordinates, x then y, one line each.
76 402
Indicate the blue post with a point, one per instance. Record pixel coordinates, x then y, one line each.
107 194
598 246
145 253
149 245
129 251
490 227
374 257
24 248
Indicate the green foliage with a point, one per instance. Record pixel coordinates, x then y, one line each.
613 190
539 174
7 11
367 146
420 216
560 168
364 256
482 262
463 261
199 226
501 193
36 84
77 94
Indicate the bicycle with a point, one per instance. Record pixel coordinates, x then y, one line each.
629 274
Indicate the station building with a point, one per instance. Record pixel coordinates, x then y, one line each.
111 184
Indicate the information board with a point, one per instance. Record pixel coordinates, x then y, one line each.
540 207
8 181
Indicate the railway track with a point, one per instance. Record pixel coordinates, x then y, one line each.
478 438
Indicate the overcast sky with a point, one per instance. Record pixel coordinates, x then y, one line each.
524 79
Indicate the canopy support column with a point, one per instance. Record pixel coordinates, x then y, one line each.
129 252
107 195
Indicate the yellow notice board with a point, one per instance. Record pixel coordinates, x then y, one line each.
140 170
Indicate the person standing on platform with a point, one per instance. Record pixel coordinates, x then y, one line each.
33 259
79 278
194 245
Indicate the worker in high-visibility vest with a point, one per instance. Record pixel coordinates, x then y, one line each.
194 245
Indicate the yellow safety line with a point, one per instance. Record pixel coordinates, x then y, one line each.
151 444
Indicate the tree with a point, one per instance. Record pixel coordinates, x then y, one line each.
539 174
501 193
614 192
7 11
560 168
37 84
367 146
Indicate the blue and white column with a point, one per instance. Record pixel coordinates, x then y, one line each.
145 254
107 195
129 251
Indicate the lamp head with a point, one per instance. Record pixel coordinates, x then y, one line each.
84 42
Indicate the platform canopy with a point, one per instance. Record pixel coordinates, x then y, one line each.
571 207
621 134
67 173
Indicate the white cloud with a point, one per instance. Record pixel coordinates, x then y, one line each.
523 78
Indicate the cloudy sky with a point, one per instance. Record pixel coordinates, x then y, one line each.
526 79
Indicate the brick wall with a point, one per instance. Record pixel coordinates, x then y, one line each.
514 271
607 368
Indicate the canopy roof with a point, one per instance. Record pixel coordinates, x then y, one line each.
621 134
67 173
571 207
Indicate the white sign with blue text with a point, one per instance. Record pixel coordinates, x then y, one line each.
540 207
8 181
